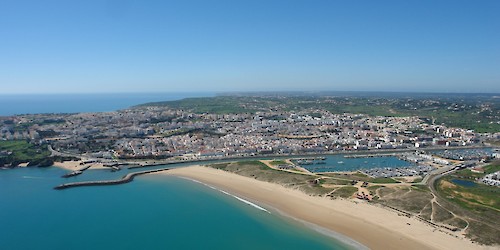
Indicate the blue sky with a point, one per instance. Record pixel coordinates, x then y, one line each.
258 45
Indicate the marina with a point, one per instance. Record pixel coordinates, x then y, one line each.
349 163
398 171
465 154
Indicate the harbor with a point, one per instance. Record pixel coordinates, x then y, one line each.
348 163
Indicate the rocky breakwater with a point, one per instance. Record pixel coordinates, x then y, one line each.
127 178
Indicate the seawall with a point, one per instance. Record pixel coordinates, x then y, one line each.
127 178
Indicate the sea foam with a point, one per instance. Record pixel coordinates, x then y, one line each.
232 195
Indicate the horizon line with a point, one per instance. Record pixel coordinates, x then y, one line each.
249 92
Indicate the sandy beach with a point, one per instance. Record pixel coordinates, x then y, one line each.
76 165
370 225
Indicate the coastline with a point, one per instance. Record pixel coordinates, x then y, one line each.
371 226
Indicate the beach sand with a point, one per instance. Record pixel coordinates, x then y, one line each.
370 225
75 165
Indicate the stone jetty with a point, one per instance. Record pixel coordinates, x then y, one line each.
76 172
127 178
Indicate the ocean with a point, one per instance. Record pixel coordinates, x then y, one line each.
74 103
152 212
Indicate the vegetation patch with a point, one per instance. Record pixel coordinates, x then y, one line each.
383 180
13 153
457 222
426 212
260 171
478 197
278 162
483 233
441 214
405 198
479 203
344 192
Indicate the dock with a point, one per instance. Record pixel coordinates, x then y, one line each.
127 178
371 155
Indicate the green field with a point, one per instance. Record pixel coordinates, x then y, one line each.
16 152
479 202
480 198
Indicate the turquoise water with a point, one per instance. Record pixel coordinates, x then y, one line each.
152 212
340 163
464 183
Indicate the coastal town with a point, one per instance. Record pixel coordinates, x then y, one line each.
163 133
356 156
156 132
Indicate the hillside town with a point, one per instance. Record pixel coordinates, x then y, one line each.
162 132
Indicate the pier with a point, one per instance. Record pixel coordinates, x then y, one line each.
127 178
370 155
76 172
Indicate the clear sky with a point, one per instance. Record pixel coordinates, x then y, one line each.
256 45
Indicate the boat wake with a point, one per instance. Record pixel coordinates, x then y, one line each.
234 196
32 177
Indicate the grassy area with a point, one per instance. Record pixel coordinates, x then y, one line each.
360 177
16 152
441 214
214 105
457 222
492 168
479 198
479 202
333 181
374 188
483 233
469 175
404 198
278 162
348 176
344 192
421 188
383 180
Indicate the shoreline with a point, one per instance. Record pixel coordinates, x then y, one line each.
371 226
324 231
78 165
